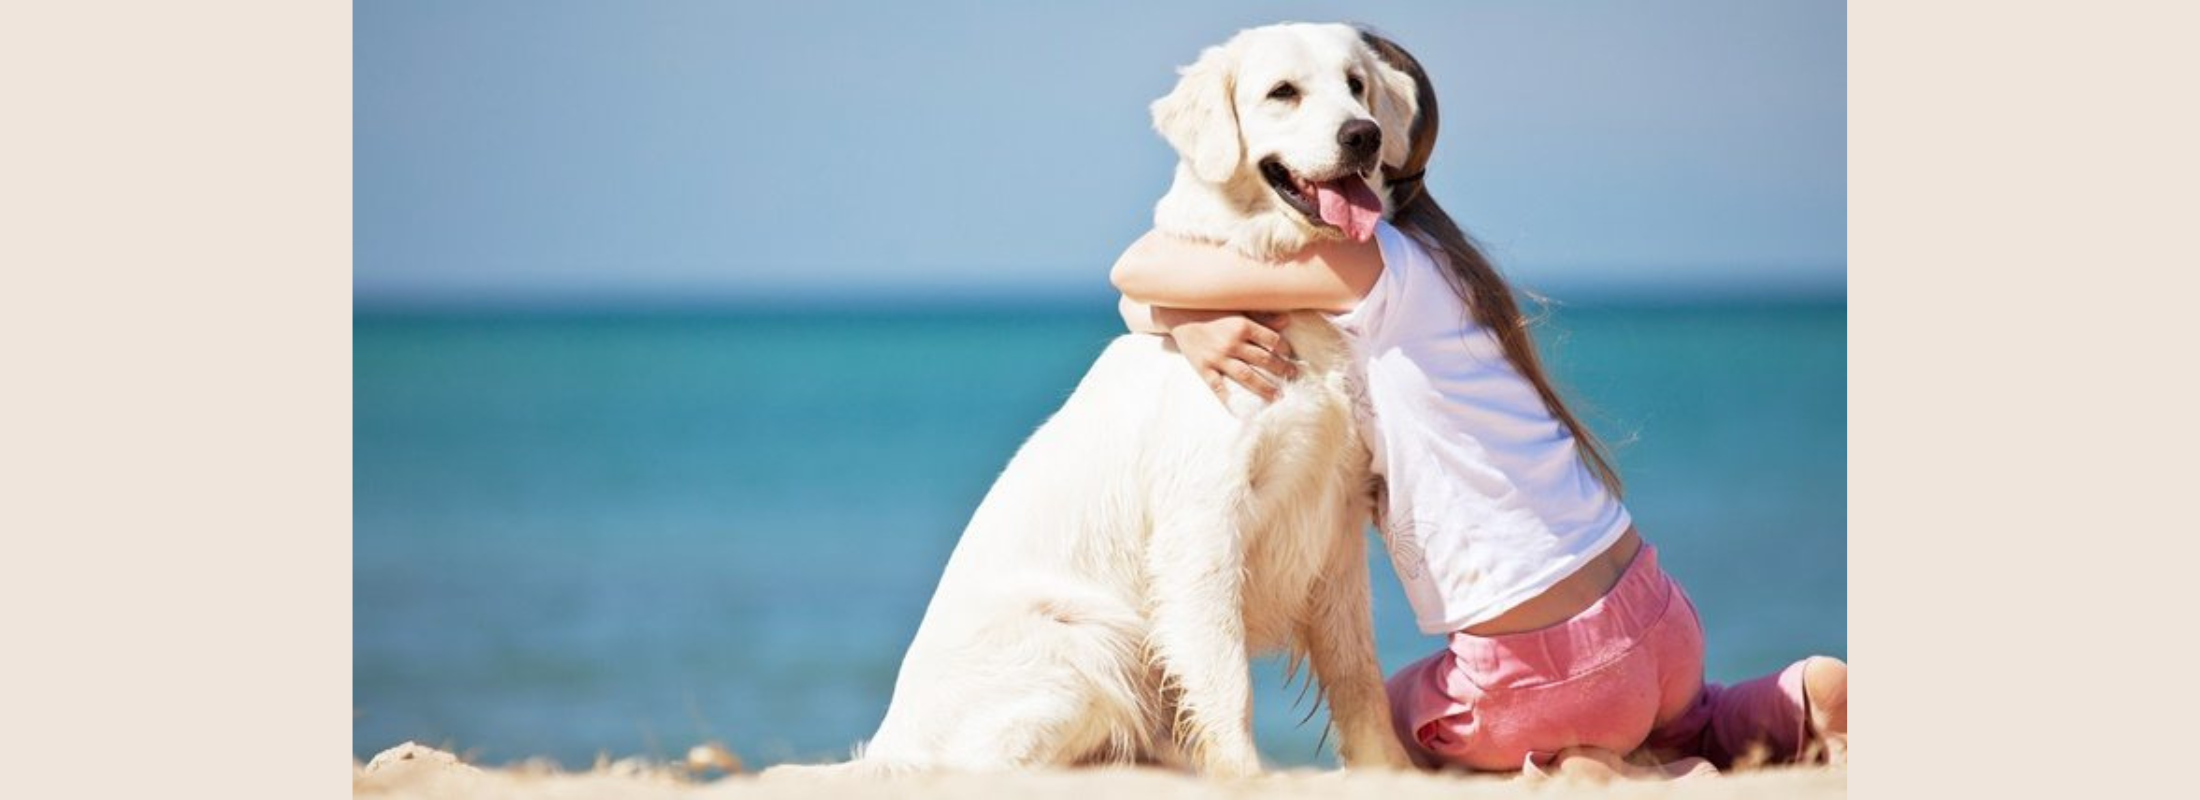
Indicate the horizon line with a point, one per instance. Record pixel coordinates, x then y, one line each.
1052 299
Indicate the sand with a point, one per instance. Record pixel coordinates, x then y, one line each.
415 771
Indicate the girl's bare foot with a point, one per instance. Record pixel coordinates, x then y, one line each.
1826 688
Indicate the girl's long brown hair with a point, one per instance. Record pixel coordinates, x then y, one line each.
1470 273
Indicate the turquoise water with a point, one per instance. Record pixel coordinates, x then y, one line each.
628 533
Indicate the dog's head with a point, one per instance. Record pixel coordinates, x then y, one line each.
1308 110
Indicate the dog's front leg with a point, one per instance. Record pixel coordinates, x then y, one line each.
1196 561
1339 640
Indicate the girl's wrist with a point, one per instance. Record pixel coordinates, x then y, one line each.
1169 319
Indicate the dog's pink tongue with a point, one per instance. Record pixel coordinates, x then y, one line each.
1348 204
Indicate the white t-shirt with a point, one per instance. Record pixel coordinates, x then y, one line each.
1488 502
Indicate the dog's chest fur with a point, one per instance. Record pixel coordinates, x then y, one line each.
1241 214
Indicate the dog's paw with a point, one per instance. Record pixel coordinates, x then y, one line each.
1227 762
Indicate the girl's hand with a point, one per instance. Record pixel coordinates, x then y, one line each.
1244 348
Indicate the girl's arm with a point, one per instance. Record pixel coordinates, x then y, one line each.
1163 320
1193 291
1140 318
1168 271
1222 344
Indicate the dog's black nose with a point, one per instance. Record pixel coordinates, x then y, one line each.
1360 138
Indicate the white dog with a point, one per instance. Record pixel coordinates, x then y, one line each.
1102 603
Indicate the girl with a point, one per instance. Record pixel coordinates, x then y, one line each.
1501 511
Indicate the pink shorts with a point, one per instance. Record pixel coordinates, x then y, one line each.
1626 674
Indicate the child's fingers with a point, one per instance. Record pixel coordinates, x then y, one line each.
1269 340
1249 378
1273 363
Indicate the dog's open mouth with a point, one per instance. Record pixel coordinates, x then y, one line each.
1343 202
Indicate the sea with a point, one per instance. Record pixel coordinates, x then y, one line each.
582 534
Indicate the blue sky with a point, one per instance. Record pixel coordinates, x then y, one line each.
578 152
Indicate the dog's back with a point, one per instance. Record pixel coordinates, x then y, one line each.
1038 646
1102 602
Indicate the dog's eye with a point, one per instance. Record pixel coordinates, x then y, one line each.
1283 91
1353 82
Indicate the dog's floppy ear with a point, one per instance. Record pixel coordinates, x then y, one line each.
1198 119
1395 106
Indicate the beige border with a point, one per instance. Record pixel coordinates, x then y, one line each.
175 479
175 471
2019 174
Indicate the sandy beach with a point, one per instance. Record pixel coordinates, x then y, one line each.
415 771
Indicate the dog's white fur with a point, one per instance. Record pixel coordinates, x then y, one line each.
1218 194
1103 601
